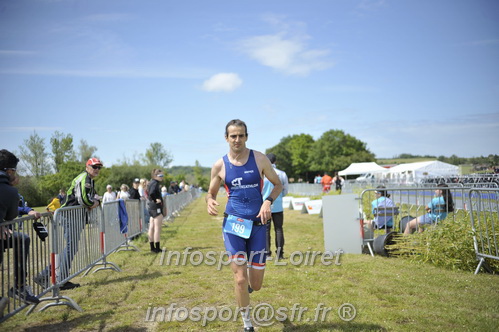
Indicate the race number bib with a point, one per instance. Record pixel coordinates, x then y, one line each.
238 226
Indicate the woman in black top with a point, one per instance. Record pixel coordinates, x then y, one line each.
155 207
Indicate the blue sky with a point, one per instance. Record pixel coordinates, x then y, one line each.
404 76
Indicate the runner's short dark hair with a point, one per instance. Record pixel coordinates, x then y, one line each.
236 123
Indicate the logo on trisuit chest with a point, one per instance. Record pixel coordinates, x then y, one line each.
236 182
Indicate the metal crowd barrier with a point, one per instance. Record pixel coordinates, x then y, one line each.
305 189
484 209
22 255
76 247
175 203
409 203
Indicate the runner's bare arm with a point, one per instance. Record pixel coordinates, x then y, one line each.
215 181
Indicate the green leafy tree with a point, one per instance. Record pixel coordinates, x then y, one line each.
201 181
156 155
299 148
122 174
52 183
34 156
283 155
335 150
86 151
62 149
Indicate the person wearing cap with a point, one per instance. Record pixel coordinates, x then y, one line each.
172 189
277 209
109 195
134 191
80 193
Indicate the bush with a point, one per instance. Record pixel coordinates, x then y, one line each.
448 244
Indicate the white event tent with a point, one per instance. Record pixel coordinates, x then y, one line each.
416 171
362 168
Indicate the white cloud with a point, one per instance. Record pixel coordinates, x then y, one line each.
226 82
371 4
287 50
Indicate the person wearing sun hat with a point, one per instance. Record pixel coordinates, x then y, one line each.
80 193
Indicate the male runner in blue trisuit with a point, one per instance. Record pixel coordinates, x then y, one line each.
242 171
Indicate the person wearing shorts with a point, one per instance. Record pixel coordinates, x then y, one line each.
155 209
244 226
437 210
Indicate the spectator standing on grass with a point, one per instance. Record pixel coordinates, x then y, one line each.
142 188
242 171
53 205
123 193
277 210
155 207
437 210
326 183
338 181
109 195
62 196
134 191
80 193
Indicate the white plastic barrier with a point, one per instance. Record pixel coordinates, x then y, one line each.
312 207
297 203
286 202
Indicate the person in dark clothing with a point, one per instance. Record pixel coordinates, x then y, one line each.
62 196
9 197
9 209
134 190
155 208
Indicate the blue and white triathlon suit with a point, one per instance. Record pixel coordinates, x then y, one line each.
244 189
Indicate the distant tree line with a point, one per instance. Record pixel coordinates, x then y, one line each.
302 157
488 161
45 172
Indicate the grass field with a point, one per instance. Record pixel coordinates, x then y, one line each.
387 294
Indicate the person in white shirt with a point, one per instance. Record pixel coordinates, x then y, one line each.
110 195
123 194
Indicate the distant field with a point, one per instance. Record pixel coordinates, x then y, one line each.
401 160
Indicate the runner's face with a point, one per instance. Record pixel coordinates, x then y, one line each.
236 137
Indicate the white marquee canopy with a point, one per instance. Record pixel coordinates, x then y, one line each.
362 168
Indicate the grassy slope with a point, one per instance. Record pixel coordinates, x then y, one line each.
388 294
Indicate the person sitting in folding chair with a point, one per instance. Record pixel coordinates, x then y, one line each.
437 210
383 210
